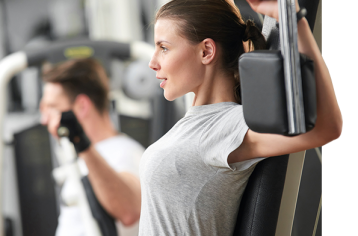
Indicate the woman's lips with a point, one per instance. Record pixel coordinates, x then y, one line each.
164 81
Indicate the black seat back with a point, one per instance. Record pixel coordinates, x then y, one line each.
260 204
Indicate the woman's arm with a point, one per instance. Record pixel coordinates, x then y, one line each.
329 120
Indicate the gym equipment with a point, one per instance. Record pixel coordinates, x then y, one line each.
138 82
57 52
276 90
263 92
71 172
268 206
99 223
36 187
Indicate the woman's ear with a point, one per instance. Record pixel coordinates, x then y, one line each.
82 106
208 50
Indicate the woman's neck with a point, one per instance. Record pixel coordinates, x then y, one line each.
216 88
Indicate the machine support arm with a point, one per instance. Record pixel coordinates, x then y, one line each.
9 66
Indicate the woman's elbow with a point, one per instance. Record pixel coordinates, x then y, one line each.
337 129
333 132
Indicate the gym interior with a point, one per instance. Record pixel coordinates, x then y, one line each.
120 34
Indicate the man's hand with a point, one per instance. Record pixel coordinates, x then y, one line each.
69 127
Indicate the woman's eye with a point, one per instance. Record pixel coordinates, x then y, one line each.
164 49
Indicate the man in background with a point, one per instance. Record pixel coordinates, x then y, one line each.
110 158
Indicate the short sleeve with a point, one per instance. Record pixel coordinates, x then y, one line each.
122 153
224 133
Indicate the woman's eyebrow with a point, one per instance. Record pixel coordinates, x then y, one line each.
161 41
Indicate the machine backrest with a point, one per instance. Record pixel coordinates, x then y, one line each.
260 204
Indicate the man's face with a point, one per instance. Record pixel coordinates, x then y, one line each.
54 101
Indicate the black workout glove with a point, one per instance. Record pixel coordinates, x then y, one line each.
69 127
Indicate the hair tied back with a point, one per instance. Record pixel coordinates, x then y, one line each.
253 34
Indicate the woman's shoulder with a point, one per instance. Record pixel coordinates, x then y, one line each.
214 109
229 116
231 112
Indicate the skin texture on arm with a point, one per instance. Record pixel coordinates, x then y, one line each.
119 193
329 120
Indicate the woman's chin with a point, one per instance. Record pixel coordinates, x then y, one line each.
169 96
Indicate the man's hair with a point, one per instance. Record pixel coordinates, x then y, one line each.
81 76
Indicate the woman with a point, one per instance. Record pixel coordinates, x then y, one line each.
194 176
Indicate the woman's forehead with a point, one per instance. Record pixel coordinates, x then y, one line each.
165 29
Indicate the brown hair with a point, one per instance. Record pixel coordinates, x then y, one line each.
219 20
81 76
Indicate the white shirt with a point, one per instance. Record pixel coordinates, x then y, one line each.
123 154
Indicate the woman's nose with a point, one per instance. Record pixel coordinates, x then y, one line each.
153 64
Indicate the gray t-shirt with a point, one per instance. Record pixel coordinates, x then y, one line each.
188 188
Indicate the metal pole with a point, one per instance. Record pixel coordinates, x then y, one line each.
9 66
290 54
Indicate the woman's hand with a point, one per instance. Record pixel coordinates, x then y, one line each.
267 7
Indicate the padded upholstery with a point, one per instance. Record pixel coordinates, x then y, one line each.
263 93
105 221
261 201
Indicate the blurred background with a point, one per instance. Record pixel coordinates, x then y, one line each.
30 196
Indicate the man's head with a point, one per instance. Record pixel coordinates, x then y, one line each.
78 85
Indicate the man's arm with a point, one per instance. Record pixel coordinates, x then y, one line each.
118 193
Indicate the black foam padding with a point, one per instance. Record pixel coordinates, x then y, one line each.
260 204
309 91
105 221
38 204
263 91
309 196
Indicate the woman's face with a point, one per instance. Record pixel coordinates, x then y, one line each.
176 61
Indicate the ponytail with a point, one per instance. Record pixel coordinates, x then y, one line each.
254 36
256 41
